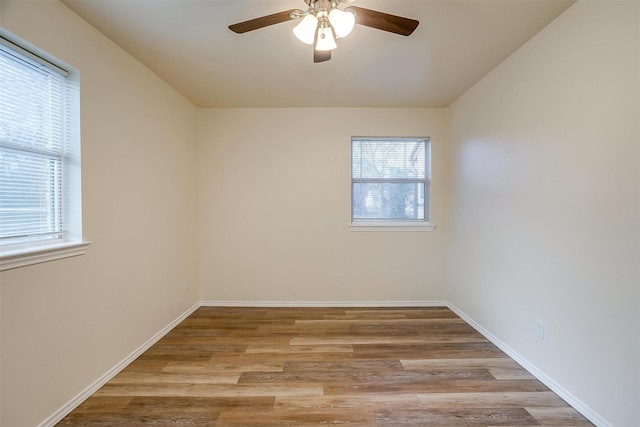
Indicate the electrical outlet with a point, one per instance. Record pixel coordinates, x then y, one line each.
340 279
540 329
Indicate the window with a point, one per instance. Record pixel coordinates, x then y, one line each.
40 205
390 181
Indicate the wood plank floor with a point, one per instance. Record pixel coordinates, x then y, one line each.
317 366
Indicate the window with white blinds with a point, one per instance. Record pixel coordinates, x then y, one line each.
390 180
39 151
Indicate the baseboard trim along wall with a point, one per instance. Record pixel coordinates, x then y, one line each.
577 404
57 416
545 379
323 304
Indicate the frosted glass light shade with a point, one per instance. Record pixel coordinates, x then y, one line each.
305 31
326 41
342 22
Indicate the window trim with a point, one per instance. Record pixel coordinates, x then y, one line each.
72 243
44 253
391 225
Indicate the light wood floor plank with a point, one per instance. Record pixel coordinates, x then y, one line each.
492 399
207 377
300 348
253 390
384 340
511 374
486 363
212 368
563 416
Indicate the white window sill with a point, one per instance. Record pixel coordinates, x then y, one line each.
24 257
391 226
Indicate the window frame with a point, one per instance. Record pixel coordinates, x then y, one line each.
391 224
69 240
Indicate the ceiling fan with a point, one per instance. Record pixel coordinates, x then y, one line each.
323 22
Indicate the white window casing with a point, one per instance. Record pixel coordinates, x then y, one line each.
391 184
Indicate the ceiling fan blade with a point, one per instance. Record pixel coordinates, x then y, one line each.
264 21
321 55
384 21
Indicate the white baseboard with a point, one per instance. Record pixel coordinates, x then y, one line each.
576 403
57 416
323 303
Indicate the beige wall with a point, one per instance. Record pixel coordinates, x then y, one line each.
274 192
67 322
545 213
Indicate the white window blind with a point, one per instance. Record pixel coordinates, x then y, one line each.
390 179
38 138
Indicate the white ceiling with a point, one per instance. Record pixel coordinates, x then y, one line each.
187 43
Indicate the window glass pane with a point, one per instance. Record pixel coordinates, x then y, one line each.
388 159
30 195
391 201
30 104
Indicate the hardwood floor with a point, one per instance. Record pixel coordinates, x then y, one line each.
318 366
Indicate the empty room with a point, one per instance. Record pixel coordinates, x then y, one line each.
310 212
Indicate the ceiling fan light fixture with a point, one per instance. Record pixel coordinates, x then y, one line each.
305 31
342 22
323 22
326 41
